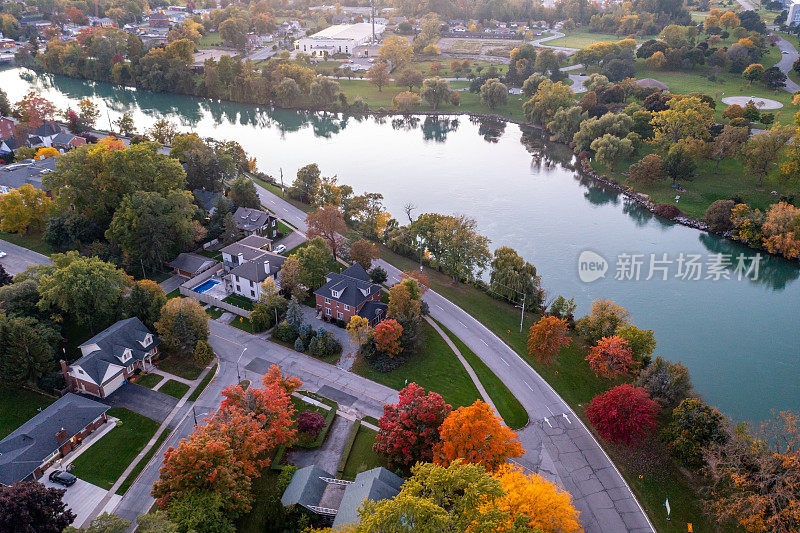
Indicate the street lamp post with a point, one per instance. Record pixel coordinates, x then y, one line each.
238 375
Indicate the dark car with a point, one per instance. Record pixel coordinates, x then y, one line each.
63 478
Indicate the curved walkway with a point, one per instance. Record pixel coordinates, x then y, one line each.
556 35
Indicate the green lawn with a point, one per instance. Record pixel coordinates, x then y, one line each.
123 488
31 241
267 514
361 456
214 312
106 459
216 255
209 40
243 324
284 228
174 388
203 384
239 301
436 369
180 366
18 405
582 38
507 404
149 380
174 293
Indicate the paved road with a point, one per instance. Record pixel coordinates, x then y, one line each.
19 258
557 444
787 62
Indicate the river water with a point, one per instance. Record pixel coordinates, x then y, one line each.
740 338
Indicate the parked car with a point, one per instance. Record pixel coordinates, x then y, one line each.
63 478
2 254
784 52
280 249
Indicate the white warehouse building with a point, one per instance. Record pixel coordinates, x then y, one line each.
338 39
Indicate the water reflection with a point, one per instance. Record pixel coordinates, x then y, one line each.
774 272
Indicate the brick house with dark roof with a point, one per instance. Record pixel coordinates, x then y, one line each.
27 452
255 222
348 294
111 357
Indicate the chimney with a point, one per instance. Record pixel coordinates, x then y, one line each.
241 257
61 435
266 267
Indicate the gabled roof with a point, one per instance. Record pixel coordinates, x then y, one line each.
189 262
248 219
26 448
47 129
372 309
111 345
306 487
250 247
376 485
351 287
28 171
255 269
63 138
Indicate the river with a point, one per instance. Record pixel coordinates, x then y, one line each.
739 337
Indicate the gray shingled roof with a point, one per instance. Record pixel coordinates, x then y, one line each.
349 284
306 487
189 262
63 138
26 448
371 309
376 485
112 342
248 219
28 171
254 270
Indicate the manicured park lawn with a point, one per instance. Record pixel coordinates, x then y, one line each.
582 38
18 405
436 368
210 40
106 459
149 380
361 456
174 388
180 366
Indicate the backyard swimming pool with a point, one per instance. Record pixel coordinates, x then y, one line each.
206 285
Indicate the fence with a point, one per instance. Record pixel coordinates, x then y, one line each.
186 290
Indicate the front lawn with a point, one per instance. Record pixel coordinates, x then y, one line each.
214 312
239 301
149 380
174 293
361 456
31 241
107 459
176 389
123 488
18 405
436 368
183 367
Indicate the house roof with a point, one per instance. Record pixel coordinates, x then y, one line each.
376 485
372 309
63 138
306 487
189 262
111 345
352 286
248 219
250 247
208 199
255 270
28 171
47 129
26 448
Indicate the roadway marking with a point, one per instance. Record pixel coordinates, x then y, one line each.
548 422
226 339
506 362
527 385
341 385
440 307
484 342
462 323
565 417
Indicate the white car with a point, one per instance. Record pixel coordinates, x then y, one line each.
280 249
2 254
784 52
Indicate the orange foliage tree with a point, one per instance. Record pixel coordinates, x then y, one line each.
611 357
546 507
327 222
782 230
547 337
475 434
387 336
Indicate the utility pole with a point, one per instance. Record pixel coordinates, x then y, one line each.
283 191
372 5
522 316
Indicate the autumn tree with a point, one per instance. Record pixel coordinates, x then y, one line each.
24 209
686 117
476 435
718 215
728 143
163 132
46 152
405 101
126 125
547 337
182 323
378 74
409 77
291 277
396 50
623 414
327 222
611 357
641 342
34 110
603 320
650 169
30 506
762 150
409 430
359 329
753 72
781 230
547 100
436 91
364 253
694 426
387 335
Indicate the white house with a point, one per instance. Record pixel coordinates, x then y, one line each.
250 262
338 39
793 17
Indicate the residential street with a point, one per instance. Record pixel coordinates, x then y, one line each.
19 258
787 62
557 444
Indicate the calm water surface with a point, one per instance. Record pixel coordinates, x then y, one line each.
739 338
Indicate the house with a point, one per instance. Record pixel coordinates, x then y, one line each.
46 132
28 171
159 19
207 199
7 125
246 278
347 294
66 141
247 249
318 491
190 265
111 357
255 222
29 450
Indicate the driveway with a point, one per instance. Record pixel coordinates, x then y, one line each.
348 350
82 498
150 403
19 258
330 453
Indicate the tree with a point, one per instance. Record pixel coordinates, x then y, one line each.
547 337
405 101
548 99
125 124
476 435
609 149
242 192
157 522
182 324
409 77
436 91
650 169
34 110
611 357
327 193
666 382
327 222
693 427
288 92
409 430
203 354
5 277
753 72
378 275
763 149
387 335
234 30
30 506
150 228
687 117
364 253
378 74
315 259
728 143
641 342
269 307
305 184
291 277
679 163
310 423
781 229
623 414
540 504
493 93
163 132
460 249
359 330
145 300
46 152
86 289
656 61
603 320
27 350
718 215
324 92
24 209
105 523
566 123
402 305
396 51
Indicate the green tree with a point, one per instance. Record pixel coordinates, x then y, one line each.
494 93
27 348
157 522
315 260
291 276
512 277
242 192
203 353
463 250
270 306
546 102
234 30
753 72
436 91
679 163
763 149
641 342
126 125
305 184
145 300
728 143
396 51
566 123
324 92
182 324
105 523
694 426
609 149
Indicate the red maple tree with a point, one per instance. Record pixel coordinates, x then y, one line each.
611 357
623 414
410 429
387 336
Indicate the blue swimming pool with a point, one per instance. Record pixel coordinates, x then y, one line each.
206 285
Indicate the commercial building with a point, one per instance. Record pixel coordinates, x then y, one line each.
338 39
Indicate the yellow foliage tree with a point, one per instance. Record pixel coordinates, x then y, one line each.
684 118
548 508
45 152
396 50
782 230
24 209
359 330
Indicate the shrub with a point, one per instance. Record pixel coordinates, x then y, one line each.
718 215
667 211
623 414
667 383
324 345
649 169
285 332
378 275
310 423
298 345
